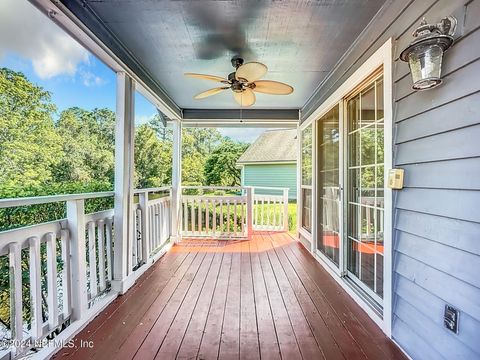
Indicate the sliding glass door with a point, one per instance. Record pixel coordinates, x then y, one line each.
365 205
328 185
350 153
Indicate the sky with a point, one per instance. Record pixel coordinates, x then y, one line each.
53 60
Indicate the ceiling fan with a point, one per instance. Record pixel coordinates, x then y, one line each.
244 81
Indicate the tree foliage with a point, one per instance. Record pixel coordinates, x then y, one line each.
220 166
29 144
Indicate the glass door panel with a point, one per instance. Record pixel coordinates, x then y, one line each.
365 169
328 214
306 179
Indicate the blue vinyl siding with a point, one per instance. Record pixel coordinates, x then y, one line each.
436 217
271 175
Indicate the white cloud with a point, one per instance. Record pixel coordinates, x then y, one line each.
143 119
25 31
90 79
243 134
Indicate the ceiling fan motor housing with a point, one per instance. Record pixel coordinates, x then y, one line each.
237 62
236 85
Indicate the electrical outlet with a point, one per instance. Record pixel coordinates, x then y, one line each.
450 318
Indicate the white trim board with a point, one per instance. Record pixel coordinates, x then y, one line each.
382 57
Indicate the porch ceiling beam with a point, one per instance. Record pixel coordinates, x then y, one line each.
237 117
92 33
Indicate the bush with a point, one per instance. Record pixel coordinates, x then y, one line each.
11 218
192 191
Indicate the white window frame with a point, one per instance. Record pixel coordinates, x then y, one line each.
381 58
301 230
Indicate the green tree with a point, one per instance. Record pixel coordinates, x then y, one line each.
201 140
220 167
29 145
153 158
87 139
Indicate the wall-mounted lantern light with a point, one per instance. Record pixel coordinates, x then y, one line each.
424 54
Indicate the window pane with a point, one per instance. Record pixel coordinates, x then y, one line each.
307 156
307 209
328 184
367 103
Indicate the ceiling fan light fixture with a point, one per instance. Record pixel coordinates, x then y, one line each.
243 82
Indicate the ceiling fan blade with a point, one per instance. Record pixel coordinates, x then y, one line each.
251 71
245 98
272 87
210 92
207 77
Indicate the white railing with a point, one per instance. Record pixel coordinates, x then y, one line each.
60 272
216 215
99 227
270 209
222 216
152 223
55 268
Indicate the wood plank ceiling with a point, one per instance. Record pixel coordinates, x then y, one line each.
300 41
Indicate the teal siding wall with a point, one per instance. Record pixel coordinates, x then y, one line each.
278 175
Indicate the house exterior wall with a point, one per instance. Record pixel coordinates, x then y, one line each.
271 175
436 217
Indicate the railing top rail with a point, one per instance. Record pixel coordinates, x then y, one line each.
154 189
215 187
13 202
270 188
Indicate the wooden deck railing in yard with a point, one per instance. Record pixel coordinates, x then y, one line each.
60 273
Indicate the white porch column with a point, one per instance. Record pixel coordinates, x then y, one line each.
124 167
177 181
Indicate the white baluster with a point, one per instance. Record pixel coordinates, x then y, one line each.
66 273
235 217
214 220
207 217
285 209
101 254
52 295
145 225
92 259
35 287
109 248
16 311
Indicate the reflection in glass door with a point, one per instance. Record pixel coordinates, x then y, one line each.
328 217
365 201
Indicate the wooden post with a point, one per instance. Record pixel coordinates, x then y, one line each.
176 231
144 226
78 268
249 212
285 209
123 213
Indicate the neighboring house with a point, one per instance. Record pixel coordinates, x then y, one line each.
271 161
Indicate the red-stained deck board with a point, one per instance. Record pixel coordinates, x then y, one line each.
264 298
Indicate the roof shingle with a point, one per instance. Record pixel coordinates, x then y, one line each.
272 146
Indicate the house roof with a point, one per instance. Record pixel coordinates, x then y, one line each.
272 146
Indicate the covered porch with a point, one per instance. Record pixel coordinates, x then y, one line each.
379 266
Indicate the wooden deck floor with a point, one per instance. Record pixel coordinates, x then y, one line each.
266 298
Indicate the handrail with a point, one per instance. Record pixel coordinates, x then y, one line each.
216 187
154 189
34 200
270 188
